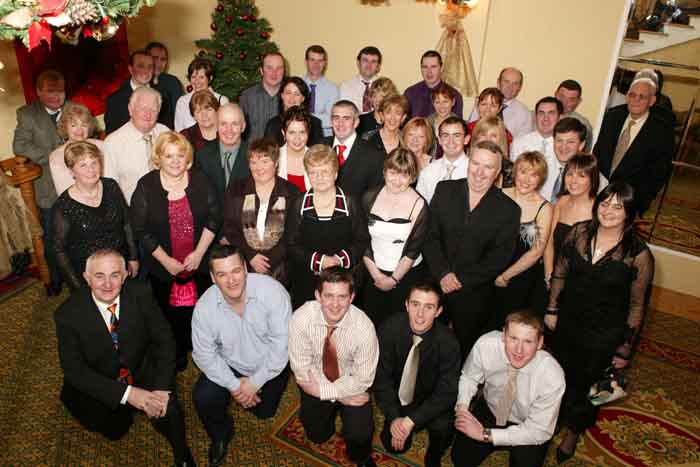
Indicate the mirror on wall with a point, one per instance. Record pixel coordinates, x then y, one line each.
665 36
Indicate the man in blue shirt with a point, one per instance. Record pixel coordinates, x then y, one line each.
239 340
324 93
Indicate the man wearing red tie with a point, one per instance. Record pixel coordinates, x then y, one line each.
118 356
333 352
361 166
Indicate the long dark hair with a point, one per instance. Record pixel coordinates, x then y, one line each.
625 195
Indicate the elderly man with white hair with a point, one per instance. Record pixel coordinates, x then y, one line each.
635 145
127 151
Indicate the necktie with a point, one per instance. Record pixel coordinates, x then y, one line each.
557 186
312 98
341 154
449 169
505 405
330 357
366 104
54 117
124 373
148 138
544 147
407 386
228 162
622 144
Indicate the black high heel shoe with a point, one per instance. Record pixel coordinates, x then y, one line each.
563 456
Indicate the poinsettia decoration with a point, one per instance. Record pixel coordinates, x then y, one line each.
34 21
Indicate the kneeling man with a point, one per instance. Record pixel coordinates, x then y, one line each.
416 383
118 356
333 353
239 341
523 388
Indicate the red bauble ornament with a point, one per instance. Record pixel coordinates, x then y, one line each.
219 8
214 27
43 22
105 20
245 17
253 18
201 53
228 20
265 35
219 55
240 31
242 55
189 88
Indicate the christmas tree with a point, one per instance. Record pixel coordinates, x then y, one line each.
239 40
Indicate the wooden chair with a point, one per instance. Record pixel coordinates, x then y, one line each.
21 173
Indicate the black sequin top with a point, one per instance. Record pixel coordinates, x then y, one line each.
79 230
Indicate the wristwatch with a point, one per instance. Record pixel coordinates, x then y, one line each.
486 435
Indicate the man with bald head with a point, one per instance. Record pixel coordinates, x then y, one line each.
118 356
471 239
636 146
127 151
226 161
516 116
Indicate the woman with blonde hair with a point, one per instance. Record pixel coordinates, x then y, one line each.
76 124
325 226
417 137
492 129
176 215
90 215
520 285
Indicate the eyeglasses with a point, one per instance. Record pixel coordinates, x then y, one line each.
320 173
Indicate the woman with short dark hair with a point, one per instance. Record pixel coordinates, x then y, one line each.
200 73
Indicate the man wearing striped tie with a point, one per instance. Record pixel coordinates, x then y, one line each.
523 386
416 382
118 356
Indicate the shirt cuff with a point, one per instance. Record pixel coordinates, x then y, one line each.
344 259
125 397
499 437
327 391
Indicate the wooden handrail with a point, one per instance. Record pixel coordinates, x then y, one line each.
21 173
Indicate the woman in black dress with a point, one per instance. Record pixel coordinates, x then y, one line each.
175 214
90 215
325 227
597 301
293 91
521 285
397 219
393 111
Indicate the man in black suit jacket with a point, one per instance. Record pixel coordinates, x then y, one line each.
361 165
471 239
118 359
434 384
644 158
225 161
117 108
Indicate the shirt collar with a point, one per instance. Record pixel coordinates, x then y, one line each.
640 121
234 149
461 160
347 143
102 307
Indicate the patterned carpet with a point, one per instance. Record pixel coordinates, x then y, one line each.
658 424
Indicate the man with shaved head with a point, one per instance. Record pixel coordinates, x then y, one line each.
226 161
516 116
127 151
635 145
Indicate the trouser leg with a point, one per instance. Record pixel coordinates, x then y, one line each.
358 428
211 403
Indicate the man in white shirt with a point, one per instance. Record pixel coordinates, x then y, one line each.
323 92
569 94
356 89
547 112
516 116
522 393
453 164
127 151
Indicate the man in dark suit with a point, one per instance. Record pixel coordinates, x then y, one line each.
117 108
361 165
416 380
470 241
118 356
225 161
36 137
168 85
635 145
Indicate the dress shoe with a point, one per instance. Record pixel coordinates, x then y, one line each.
188 462
217 452
563 456
368 463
